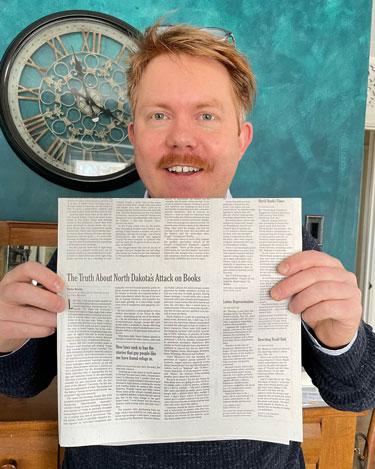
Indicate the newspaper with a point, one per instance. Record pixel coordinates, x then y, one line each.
170 333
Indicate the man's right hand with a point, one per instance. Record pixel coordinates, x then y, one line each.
28 311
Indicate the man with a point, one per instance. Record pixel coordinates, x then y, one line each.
189 93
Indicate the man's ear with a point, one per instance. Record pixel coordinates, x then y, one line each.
131 132
244 138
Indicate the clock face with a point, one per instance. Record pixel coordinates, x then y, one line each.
64 107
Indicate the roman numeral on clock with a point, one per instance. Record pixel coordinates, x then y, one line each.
57 150
24 93
118 56
58 47
36 126
121 158
42 70
91 42
86 153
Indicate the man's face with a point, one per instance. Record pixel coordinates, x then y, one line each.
185 132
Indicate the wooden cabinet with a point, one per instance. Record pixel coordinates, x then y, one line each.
29 445
29 432
16 238
28 427
28 233
328 436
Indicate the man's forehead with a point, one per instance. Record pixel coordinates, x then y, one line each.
201 104
199 76
186 66
182 61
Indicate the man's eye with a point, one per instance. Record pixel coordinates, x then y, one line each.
207 117
158 116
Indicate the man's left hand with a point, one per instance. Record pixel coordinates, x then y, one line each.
324 293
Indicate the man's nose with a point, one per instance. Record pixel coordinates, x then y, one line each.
181 135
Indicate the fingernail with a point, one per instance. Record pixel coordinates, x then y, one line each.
276 293
283 268
57 285
52 331
291 307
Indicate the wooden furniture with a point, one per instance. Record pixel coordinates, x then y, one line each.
368 453
18 236
329 437
28 427
28 233
29 432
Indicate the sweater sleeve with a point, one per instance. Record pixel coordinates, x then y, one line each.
346 381
30 369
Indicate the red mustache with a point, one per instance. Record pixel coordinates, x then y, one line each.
174 159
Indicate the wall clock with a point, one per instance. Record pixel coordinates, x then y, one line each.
63 103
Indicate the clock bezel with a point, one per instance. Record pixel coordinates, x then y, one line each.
17 143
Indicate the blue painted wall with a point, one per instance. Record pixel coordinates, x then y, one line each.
311 63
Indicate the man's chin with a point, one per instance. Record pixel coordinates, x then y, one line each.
167 193
185 190
178 195
187 195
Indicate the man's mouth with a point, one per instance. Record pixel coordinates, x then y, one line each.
185 164
183 169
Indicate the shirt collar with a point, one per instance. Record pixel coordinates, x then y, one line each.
228 195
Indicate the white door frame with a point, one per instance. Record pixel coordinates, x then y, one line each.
366 240
366 233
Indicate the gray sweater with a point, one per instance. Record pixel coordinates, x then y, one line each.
346 382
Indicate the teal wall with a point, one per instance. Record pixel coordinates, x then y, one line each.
311 63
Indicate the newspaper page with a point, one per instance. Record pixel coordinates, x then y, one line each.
170 333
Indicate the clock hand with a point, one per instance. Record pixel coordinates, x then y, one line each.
79 69
77 65
105 111
88 100
109 113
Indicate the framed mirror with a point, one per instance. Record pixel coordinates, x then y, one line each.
25 241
